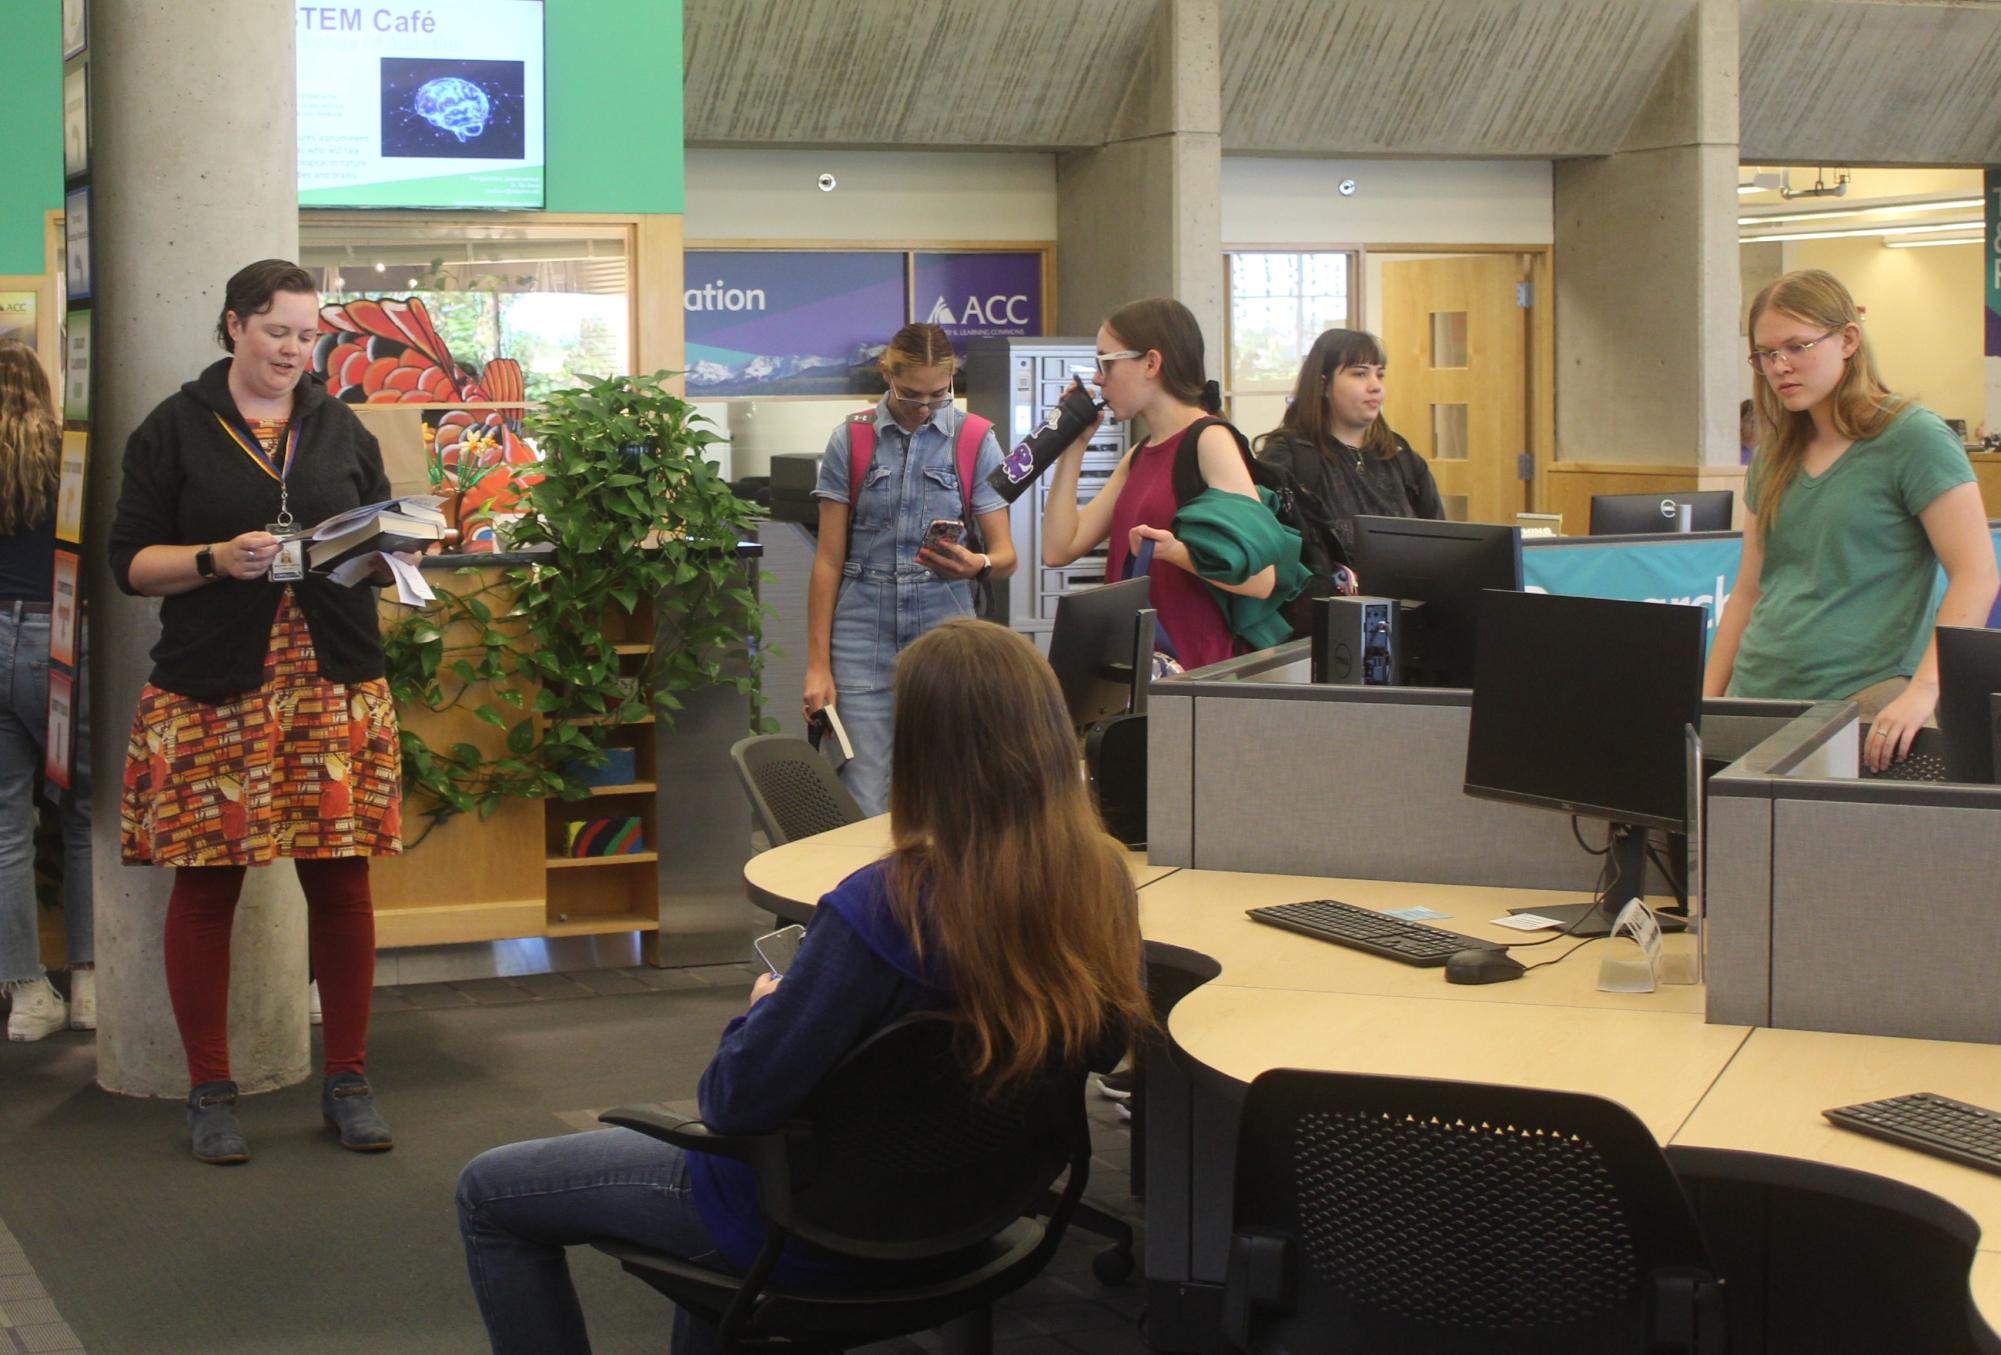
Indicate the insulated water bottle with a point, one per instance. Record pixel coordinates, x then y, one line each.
1032 455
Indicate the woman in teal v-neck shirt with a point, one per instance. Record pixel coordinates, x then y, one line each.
1855 498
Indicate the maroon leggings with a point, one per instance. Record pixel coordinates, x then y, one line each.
340 924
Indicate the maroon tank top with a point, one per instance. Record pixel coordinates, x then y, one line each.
1187 607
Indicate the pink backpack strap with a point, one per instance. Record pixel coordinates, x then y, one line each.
972 432
861 451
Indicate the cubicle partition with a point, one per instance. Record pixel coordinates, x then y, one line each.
1253 768
1866 906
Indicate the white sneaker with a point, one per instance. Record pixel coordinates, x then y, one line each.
38 1012
83 999
313 1002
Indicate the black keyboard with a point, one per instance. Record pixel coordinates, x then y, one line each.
1393 938
1931 1124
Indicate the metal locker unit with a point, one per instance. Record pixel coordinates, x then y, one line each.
1015 383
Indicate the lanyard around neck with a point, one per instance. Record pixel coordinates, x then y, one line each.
248 443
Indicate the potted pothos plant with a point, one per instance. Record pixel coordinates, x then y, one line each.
634 519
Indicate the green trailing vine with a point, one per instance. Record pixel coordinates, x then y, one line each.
637 520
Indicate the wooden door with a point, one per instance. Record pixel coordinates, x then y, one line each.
1457 385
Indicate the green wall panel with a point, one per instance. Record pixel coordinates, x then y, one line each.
614 127
31 126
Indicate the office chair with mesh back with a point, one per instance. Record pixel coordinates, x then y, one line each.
894 1160
792 789
1392 1213
1925 761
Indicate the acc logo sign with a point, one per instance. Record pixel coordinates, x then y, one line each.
994 310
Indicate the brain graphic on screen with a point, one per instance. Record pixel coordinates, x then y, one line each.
453 105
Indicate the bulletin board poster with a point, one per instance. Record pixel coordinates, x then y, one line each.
63 609
76 28
62 727
76 366
76 122
978 295
69 486
17 317
790 322
439 105
76 242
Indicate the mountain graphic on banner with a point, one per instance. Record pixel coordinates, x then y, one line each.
781 374
941 314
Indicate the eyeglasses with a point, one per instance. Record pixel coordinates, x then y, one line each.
938 401
1105 360
1761 359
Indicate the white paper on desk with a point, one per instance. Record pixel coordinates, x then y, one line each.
1527 922
411 590
1630 974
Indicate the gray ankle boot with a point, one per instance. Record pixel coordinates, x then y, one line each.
212 1127
349 1106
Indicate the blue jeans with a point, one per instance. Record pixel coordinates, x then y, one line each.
521 1205
877 615
24 728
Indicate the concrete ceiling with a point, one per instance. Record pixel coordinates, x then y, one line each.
1440 77
1828 81
1871 82
884 73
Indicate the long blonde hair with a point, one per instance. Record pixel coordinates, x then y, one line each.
1000 861
1863 405
30 439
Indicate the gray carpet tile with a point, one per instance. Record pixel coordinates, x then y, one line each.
309 1249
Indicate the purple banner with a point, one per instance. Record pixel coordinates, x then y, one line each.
790 322
978 296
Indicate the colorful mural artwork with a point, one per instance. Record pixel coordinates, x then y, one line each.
386 351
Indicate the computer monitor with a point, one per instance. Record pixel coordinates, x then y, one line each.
1102 650
1969 672
1439 570
1583 705
1640 514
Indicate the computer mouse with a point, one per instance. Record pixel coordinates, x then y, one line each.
1482 966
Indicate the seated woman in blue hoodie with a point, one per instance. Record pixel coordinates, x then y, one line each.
1002 902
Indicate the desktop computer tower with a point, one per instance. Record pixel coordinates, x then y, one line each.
1015 382
1358 641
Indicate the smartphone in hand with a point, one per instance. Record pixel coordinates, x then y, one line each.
943 531
777 949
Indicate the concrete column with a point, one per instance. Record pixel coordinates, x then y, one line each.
1141 215
1647 270
196 175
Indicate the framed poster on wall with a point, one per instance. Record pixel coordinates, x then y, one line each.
76 366
975 295
76 28
76 122
76 242
69 486
790 322
62 727
17 317
63 610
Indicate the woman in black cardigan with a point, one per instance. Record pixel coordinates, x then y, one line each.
1336 442
266 728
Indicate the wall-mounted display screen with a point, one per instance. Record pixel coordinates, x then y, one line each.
437 106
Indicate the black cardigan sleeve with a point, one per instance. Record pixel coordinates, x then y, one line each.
147 498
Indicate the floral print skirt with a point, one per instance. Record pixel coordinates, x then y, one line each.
301 767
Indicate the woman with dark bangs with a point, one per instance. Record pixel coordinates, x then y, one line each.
1337 444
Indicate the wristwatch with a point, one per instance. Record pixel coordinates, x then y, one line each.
986 568
205 562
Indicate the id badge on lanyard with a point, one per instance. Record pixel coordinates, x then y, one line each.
289 564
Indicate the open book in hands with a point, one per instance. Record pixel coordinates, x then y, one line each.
346 546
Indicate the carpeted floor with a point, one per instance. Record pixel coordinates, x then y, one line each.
114 1241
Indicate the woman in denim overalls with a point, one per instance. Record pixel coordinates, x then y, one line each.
876 585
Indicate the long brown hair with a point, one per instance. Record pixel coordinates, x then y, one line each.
1000 860
30 439
1863 405
1305 419
1162 325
